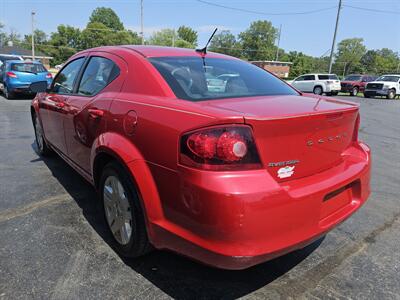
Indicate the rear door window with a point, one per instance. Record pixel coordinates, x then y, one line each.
309 77
328 77
99 72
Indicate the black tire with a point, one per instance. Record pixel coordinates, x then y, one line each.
8 94
367 96
138 243
42 148
318 90
334 93
392 94
354 91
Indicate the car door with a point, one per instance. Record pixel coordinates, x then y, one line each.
52 105
308 83
298 83
100 81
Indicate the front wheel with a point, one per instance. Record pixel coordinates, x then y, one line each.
367 96
391 94
123 212
354 91
334 93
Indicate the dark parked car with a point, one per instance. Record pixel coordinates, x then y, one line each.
355 83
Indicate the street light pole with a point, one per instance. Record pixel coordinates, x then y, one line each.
279 39
141 21
33 34
334 37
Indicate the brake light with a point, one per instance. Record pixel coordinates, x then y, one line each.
356 128
49 75
220 148
11 74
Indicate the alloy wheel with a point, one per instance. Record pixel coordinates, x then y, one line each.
117 210
38 134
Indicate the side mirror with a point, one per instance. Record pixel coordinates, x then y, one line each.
38 87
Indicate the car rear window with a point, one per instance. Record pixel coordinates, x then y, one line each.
196 78
328 77
28 68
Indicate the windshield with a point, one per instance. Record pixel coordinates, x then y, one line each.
196 79
388 78
353 78
28 68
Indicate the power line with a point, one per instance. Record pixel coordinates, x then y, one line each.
373 10
265 13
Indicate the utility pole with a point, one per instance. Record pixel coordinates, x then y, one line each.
279 39
33 34
334 36
141 21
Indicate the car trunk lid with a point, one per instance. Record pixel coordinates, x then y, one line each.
297 136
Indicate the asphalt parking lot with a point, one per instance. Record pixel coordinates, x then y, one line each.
53 243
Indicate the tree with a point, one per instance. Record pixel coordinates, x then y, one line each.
168 37
163 37
225 42
94 35
258 41
63 43
2 35
107 17
188 34
40 38
348 56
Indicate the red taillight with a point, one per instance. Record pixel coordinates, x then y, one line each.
11 74
49 75
356 128
220 148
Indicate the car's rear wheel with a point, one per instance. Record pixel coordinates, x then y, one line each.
354 91
391 94
7 93
42 147
123 212
318 90
334 93
367 96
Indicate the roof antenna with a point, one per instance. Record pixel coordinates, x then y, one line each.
204 50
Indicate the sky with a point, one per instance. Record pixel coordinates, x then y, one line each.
309 33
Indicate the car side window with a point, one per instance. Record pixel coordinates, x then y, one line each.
309 77
64 81
99 72
301 78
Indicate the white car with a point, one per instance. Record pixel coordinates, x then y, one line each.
386 85
317 84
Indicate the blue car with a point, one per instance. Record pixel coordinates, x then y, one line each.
16 76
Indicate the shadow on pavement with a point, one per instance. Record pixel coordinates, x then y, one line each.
175 275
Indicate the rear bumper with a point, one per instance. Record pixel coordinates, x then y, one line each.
234 221
330 89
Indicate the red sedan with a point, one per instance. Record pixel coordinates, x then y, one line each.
203 154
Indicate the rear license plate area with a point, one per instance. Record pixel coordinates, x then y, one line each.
336 200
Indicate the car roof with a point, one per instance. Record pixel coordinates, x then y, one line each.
389 75
158 51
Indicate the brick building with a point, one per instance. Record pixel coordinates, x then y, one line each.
279 68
